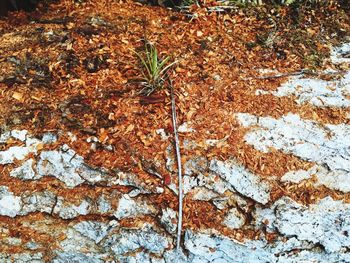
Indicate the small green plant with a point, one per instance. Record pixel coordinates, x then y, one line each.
154 69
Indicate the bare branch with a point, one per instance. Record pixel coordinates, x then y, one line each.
179 166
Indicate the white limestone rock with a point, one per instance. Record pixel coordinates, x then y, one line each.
75 242
336 180
341 54
221 202
325 145
203 194
25 171
10 205
38 202
67 210
283 245
185 128
234 219
265 218
169 220
32 245
326 222
320 93
246 120
128 207
19 134
12 241
214 248
130 240
297 176
94 230
196 184
13 153
104 204
306 256
64 164
5 136
61 164
174 255
49 138
141 257
189 183
18 152
92 175
27 257
163 135
209 247
73 256
68 167
170 158
242 180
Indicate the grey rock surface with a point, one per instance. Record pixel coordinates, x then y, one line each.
326 145
242 180
10 205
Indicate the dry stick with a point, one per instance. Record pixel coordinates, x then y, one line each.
280 75
179 168
295 73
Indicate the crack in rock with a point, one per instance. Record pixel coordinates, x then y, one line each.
65 166
37 202
130 240
128 207
94 230
130 179
242 180
47 202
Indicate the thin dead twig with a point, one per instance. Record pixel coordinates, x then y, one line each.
179 166
296 73
280 75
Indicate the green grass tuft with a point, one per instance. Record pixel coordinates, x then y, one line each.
153 70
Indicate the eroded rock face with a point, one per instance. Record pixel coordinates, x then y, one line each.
242 180
121 220
10 205
319 93
225 183
326 145
216 248
325 222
